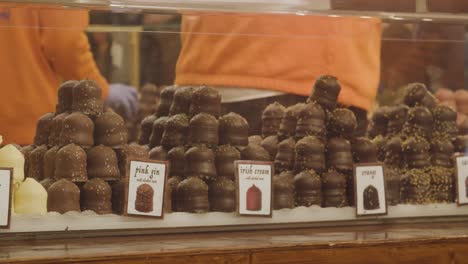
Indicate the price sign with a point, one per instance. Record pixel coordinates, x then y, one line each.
146 187
462 179
6 188
254 188
369 189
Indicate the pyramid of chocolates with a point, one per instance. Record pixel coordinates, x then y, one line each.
81 144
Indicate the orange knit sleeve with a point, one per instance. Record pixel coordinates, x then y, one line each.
66 46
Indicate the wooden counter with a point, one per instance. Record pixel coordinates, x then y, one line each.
416 243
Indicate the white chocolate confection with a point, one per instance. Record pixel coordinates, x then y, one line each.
31 198
11 157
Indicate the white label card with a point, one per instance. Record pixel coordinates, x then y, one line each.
369 189
254 188
146 187
5 196
462 179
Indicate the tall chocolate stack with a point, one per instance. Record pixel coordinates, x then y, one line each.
80 150
201 146
417 145
313 141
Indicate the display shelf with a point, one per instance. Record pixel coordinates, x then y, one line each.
183 222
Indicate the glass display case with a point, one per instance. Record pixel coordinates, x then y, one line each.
358 106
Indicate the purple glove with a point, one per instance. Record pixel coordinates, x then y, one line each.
123 99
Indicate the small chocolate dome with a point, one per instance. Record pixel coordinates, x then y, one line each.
129 152
203 129
176 157
325 92
283 192
270 143
70 164
364 150
47 182
380 142
255 152
310 154
225 157
334 186
205 100
394 152
342 122
175 132
56 129
78 129
49 162
63 196
416 152
222 195
234 130
172 184
288 123
167 95
414 94
43 129
339 154
181 100
397 116
442 151
311 122
87 98
284 159
271 118
157 131
36 163
97 196
65 97
200 162
110 130
193 196
308 186
102 163
146 127
158 153
379 121
255 139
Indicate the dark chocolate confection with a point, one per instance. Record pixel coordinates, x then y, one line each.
310 154
283 192
167 205
445 122
416 152
158 153
396 119
234 130
308 186
311 122
334 185
102 163
26 150
70 164
203 129
36 163
146 128
442 184
415 94
392 185
255 139
284 159
130 152
56 129
463 127
96 196
200 162
43 128
175 132
110 130
379 122
222 195
157 131
65 97
49 162
47 182
342 122
442 151
394 152
172 184
206 100
144 198
339 155
325 92
255 152
270 143
193 196
78 129
271 119
289 121
364 150
181 100
225 157
118 196
371 198
461 143
419 122
87 98
167 95
380 142
415 186
63 196
176 157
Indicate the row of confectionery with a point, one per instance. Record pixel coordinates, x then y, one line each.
79 159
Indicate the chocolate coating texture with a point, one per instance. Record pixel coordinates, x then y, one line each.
36 163
181 100
334 185
270 143
311 122
87 98
146 127
128 152
233 130
97 196
445 122
43 129
255 140
200 162
63 196
77 128
415 186
205 100
157 130
70 164
397 116
308 187
225 157
392 185
364 150
158 153
271 118
222 195
49 162
65 97
325 92
379 122
416 152
441 153
47 182
255 152
56 129
380 142
284 159
417 94
419 122
461 143
203 129
172 184
283 192
342 123
167 95
175 132
176 157
110 130
102 163
310 154
193 196
339 154
288 123
394 152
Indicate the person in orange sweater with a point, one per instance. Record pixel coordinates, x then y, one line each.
255 59
39 48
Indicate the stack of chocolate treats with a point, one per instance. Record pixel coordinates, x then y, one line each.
80 151
312 147
201 146
418 145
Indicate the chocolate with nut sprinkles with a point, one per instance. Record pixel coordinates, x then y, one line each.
200 162
43 129
461 143
222 195
394 152
255 152
102 163
445 122
234 130
110 130
96 195
70 164
181 100
203 129
415 186
270 143
158 153
49 162
157 131
311 122
308 187
442 185
193 196
441 153
167 95
379 121
288 123
392 185
78 129
283 192
146 127
87 98
176 157
65 97
339 155
172 184
256 140
416 152
63 196
364 150
414 94
380 142
397 116
225 157
36 163
271 118
205 100
342 123
310 154
56 129
325 92
334 185
419 122
175 131
284 159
